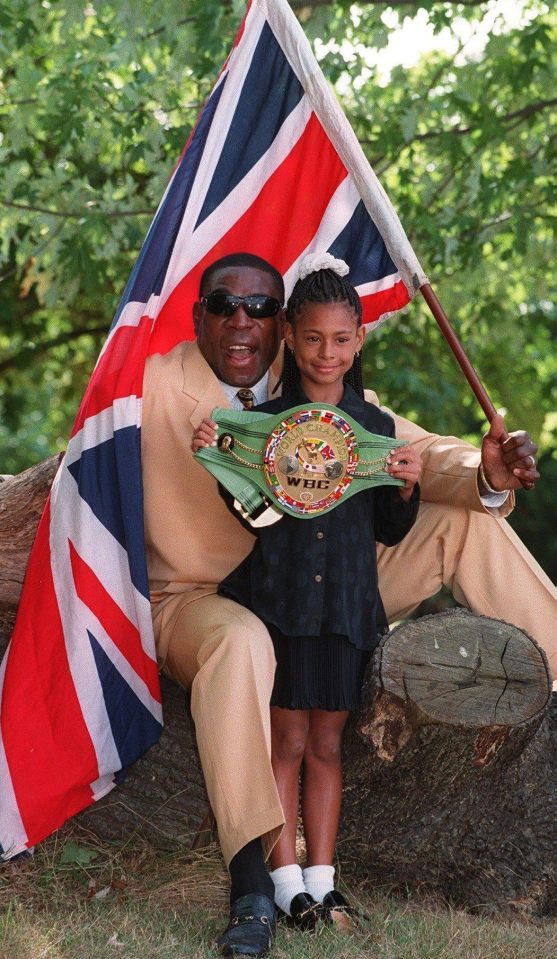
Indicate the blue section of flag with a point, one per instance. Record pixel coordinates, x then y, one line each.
149 271
133 726
361 244
270 92
108 477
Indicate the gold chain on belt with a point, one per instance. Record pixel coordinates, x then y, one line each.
228 442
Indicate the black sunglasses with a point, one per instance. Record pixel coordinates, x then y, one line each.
257 306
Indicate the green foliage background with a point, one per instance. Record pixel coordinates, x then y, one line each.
96 102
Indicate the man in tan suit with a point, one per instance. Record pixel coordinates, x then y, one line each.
220 650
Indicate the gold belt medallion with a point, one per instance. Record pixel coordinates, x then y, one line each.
310 459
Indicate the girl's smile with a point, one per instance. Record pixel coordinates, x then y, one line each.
324 339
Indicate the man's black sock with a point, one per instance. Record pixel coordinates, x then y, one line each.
248 872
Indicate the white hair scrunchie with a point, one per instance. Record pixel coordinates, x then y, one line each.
322 261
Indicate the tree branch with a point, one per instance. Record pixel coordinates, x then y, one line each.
31 352
519 115
36 252
480 228
72 214
300 4
18 103
181 107
158 30
529 111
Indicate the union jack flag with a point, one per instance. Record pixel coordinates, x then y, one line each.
272 168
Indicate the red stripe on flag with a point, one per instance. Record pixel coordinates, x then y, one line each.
375 305
119 372
48 747
116 624
278 225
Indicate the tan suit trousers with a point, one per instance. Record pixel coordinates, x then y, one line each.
481 560
224 654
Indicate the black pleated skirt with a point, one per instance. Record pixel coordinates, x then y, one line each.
317 672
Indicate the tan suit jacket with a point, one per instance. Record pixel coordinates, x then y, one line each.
450 466
192 540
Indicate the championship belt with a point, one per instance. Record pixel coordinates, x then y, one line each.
305 460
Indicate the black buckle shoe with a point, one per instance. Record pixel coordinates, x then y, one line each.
304 912
252 925
334 910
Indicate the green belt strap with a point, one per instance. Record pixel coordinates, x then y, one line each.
304 460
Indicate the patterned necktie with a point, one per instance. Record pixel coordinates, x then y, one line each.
246 398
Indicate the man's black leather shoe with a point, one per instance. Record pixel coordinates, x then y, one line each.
253 921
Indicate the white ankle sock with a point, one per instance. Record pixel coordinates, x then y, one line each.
319 880
288 882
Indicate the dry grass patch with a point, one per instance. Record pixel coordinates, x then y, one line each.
80 899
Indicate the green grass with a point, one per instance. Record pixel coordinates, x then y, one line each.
78 899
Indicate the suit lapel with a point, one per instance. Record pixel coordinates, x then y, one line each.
199 383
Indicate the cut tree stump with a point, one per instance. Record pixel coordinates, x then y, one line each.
450 766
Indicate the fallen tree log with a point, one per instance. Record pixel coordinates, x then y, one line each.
22 500
450 766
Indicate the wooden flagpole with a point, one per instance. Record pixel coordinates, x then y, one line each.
452 339
456 346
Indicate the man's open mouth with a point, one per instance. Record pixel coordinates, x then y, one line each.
240 350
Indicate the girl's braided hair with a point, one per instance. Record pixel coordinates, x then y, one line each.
321 286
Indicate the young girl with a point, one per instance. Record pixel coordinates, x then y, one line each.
314 584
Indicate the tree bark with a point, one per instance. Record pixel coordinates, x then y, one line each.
162 798
22 500
450 766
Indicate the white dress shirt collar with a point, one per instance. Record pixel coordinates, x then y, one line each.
259 390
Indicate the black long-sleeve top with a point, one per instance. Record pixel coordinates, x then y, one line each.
310 577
